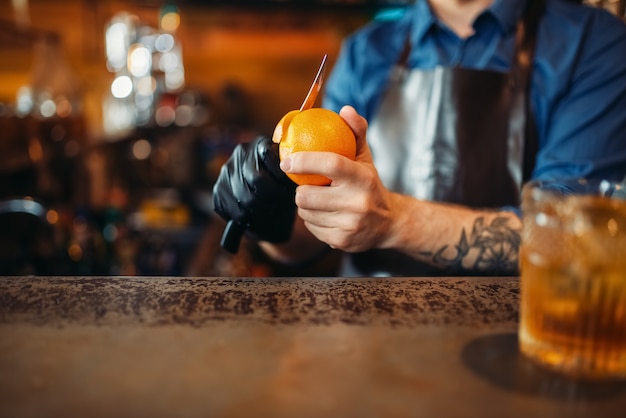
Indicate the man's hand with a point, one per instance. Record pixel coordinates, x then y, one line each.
354 213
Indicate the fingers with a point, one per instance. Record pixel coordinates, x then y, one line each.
331 225
268 156
358 124
328 164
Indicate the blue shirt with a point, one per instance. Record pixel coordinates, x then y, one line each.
578 85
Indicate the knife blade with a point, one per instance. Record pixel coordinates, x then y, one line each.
316 86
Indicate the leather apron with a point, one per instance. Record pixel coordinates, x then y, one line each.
452 135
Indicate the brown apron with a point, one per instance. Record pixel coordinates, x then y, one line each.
452 135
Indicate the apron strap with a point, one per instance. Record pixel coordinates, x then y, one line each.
526 41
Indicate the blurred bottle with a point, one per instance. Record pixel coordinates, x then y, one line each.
54 87
56 134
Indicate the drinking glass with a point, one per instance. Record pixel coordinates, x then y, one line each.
573 277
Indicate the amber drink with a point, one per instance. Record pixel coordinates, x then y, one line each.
573 278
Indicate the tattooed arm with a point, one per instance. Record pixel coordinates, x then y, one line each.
492 247
457 238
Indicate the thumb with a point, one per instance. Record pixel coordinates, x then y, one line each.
358 124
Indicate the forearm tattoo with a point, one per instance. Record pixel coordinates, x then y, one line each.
490 248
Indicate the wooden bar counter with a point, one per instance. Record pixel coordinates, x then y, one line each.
276 347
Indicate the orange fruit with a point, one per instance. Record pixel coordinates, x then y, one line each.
315 129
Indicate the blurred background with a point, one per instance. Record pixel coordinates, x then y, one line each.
115 117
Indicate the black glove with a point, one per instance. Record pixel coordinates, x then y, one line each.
253 194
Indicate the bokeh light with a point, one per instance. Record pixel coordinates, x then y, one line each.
139 60
141 149
122 87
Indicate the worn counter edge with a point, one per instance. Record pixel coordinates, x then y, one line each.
198 301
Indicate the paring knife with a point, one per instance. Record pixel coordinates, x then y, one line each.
234 230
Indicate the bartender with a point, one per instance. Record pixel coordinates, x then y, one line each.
455 105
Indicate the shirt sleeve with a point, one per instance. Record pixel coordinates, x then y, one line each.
339 85
583 126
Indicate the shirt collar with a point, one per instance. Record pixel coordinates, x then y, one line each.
506 12
423 20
